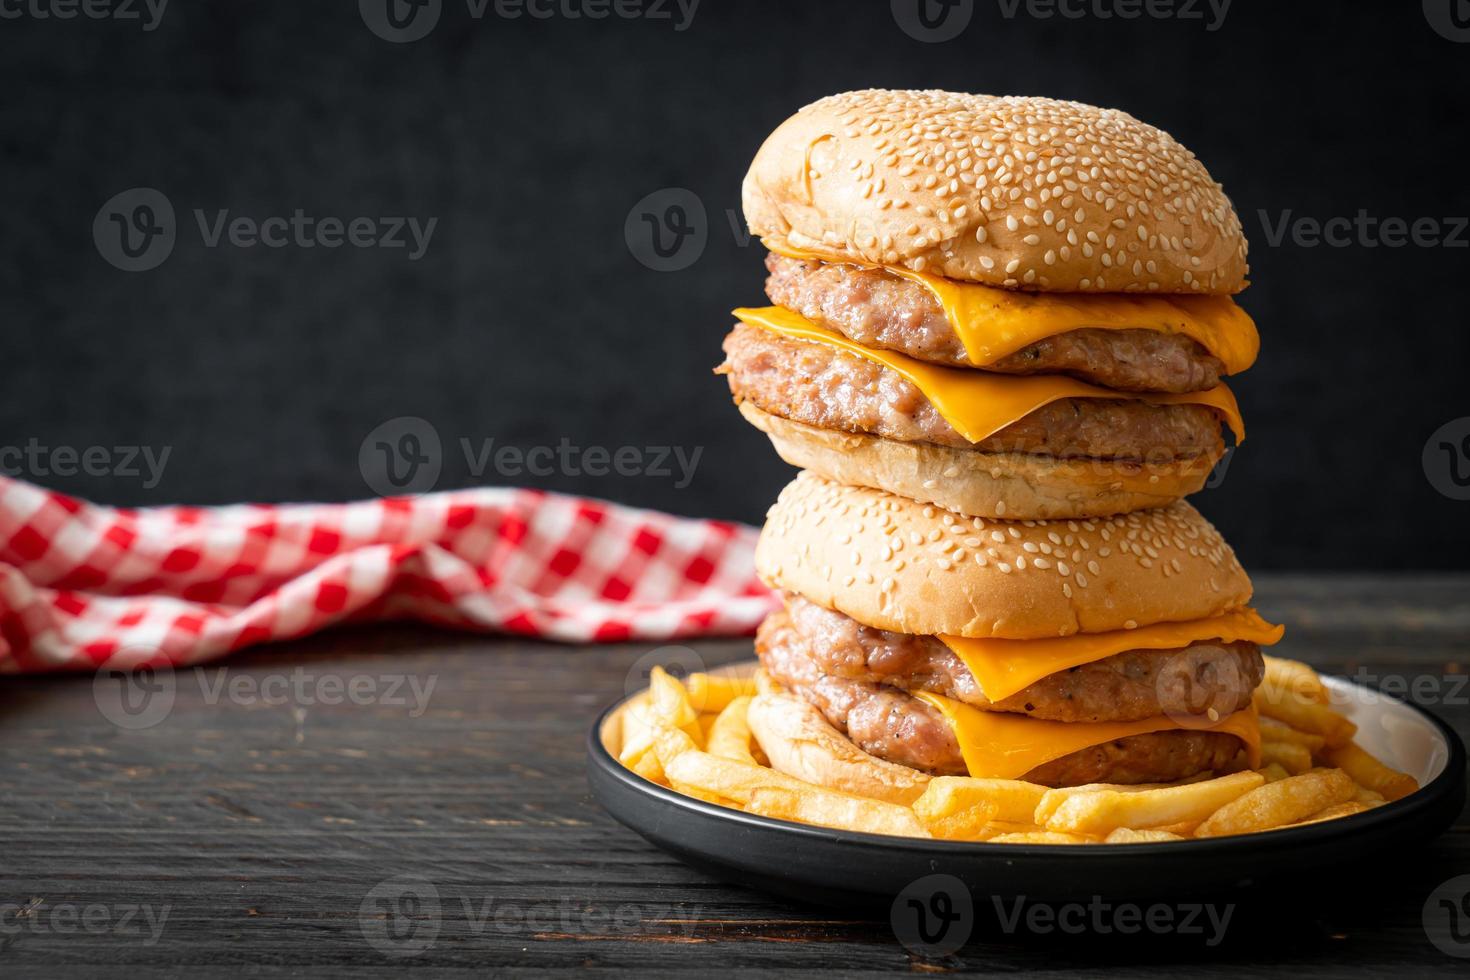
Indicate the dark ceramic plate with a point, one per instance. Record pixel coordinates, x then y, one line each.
836 867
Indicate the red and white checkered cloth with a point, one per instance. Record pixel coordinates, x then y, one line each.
82 585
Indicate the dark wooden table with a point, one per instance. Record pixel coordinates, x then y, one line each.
254 828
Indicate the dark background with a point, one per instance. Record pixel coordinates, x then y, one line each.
529 319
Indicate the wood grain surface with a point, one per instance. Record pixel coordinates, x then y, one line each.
374 801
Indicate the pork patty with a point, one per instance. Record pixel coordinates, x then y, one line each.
1127 686
830 388
879 309
891 724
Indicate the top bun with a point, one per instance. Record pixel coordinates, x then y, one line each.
1023 193
899 565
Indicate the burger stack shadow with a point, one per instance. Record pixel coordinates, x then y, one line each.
996 345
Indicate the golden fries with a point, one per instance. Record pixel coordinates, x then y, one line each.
1295 759
1293 675
713 692
704 738
1127 835
1282 802
729 735
826 808
1370 773
1098 811
1012 799
1304 714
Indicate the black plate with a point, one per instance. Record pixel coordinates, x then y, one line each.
834 867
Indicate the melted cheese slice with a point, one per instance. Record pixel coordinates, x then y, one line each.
1005 746
993 323
1006 667
978 404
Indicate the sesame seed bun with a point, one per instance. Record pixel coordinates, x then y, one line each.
1016 486
900 565
1025 193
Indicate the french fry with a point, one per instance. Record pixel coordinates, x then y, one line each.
669 704
1368 772
1282 802
1127 835
1346 809
1273 771
765 684
1293 675
1304 715
1369 796
1279 731
1041 837
670 743
1013 799
1295 759
712 692
970 823
729 736
727 777
998 828
1101 811
826 808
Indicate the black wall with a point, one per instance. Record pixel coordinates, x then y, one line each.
529 320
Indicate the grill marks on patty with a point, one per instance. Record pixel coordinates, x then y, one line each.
829 388
878 309
1127 686
883 720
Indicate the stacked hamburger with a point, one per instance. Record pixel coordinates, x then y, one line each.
996 350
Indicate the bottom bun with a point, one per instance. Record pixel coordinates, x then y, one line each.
801 743
1014 486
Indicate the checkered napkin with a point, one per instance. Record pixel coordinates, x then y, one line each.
82 585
